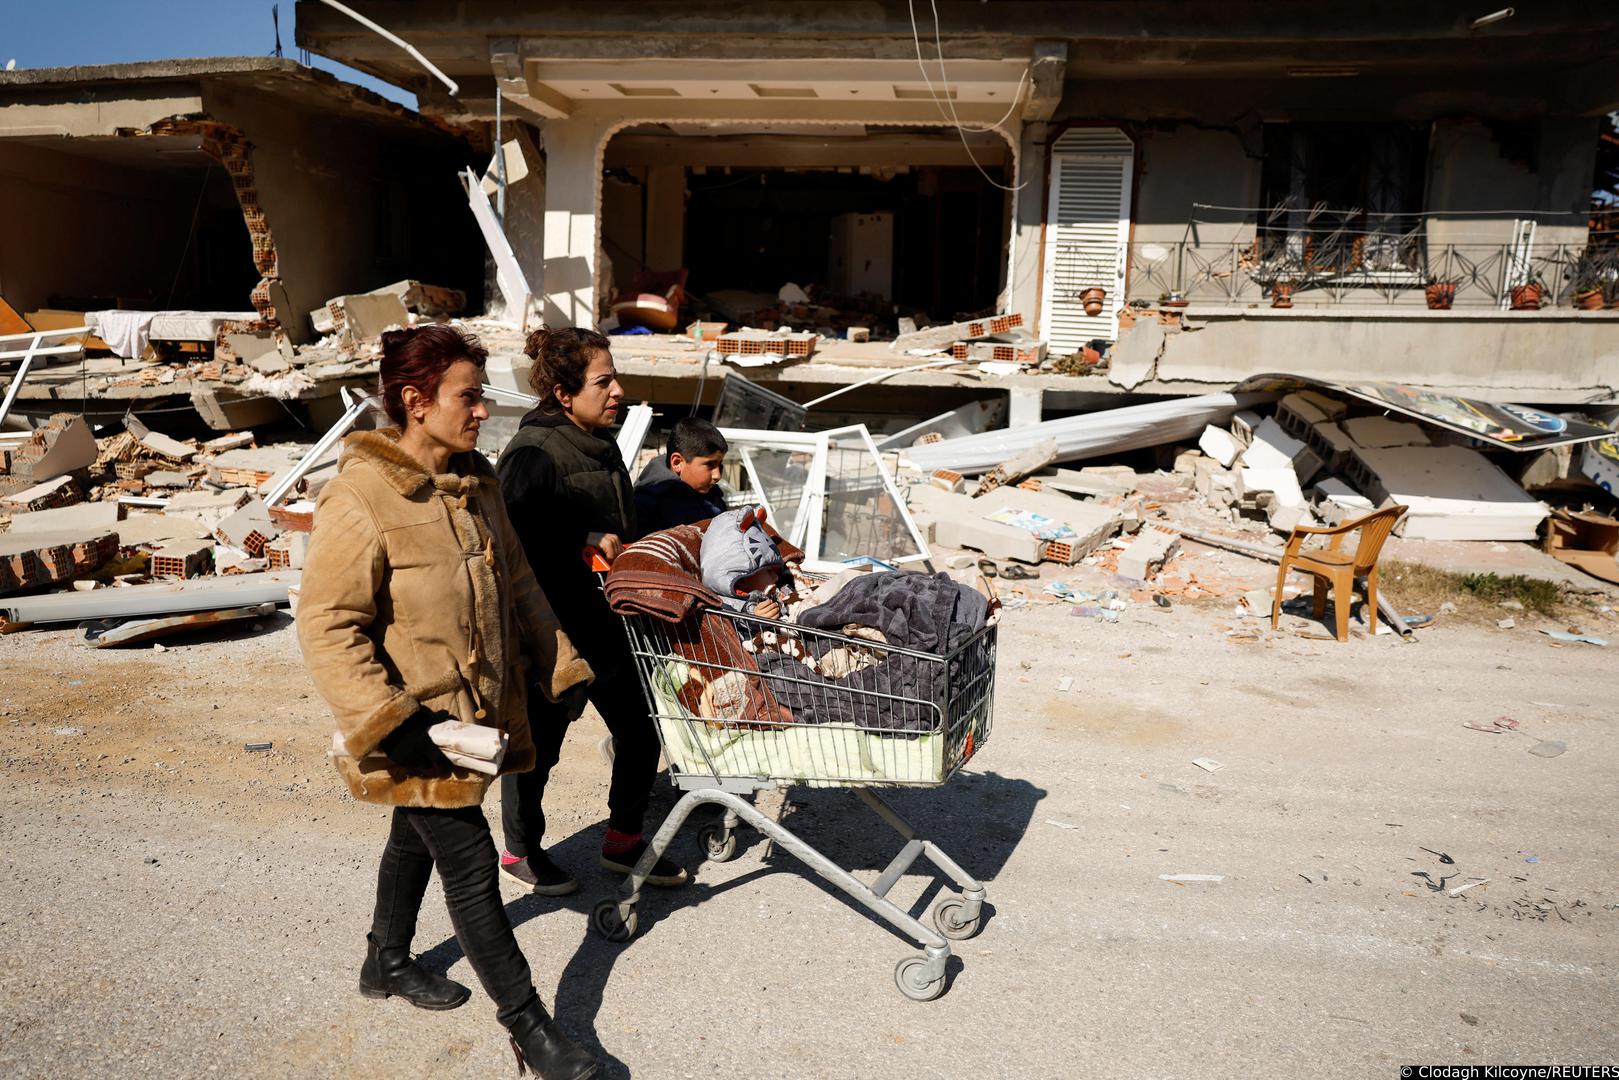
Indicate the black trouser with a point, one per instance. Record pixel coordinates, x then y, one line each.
459 844
616 693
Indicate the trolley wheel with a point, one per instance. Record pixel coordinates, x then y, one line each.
718 843
911 976
610 923
948 917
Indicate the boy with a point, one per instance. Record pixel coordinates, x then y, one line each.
682 487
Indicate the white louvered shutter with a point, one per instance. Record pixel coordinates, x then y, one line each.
1087 230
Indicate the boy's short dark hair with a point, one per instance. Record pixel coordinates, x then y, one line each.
692 437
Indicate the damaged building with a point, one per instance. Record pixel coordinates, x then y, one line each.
1400 198
912 269
226 195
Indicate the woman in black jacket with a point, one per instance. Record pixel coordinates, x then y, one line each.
566 489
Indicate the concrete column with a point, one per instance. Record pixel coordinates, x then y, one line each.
572 202
1028 216
525 209
1025 406
665 217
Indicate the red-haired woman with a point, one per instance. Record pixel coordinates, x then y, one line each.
417 607
566 488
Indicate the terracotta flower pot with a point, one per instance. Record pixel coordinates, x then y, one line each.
1281 296
1092 299
1527 297
1588 299
1440 294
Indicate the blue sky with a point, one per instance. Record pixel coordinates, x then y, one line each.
57 33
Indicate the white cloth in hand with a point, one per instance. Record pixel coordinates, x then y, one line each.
470 746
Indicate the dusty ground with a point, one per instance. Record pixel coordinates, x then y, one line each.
175 906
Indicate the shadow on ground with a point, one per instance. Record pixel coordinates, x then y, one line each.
978 819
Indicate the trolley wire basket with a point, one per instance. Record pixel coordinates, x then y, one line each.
739 698
743 704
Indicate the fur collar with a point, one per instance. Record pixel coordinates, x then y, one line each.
380 450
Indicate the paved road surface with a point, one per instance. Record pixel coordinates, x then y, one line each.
173 906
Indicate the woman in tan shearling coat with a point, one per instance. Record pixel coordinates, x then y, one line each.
417 606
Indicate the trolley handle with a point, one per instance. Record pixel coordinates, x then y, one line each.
595 559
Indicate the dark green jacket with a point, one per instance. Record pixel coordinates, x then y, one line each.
560 484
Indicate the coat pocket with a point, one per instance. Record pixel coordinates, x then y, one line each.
449 694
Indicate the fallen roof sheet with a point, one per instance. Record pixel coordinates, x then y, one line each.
1111 431
158 598
103 633
1503 426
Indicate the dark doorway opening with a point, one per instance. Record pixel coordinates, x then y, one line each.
757 229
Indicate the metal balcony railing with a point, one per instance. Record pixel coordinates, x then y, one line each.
1372 268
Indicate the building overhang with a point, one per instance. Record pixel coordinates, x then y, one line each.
1559 52
109 99
975 92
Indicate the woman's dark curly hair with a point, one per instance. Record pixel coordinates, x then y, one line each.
560 359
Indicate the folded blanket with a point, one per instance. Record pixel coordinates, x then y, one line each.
661 576
930 613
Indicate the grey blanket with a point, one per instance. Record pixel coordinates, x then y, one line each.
926 612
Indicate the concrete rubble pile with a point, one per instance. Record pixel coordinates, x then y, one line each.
135 523
234 368
162 496
1303 458
999 344
995 343
144 521
139 510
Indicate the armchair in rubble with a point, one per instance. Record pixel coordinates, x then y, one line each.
1333 566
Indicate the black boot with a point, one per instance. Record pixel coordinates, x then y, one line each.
391 971
540 1045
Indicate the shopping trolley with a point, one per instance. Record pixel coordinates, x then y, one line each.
744 704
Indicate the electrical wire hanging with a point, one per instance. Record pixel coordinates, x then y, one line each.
961 132
1402 213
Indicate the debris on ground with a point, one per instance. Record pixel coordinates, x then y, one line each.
1267 473
1587 540
1572 638
1017 468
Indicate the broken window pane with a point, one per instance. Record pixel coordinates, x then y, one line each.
780 477
863 512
